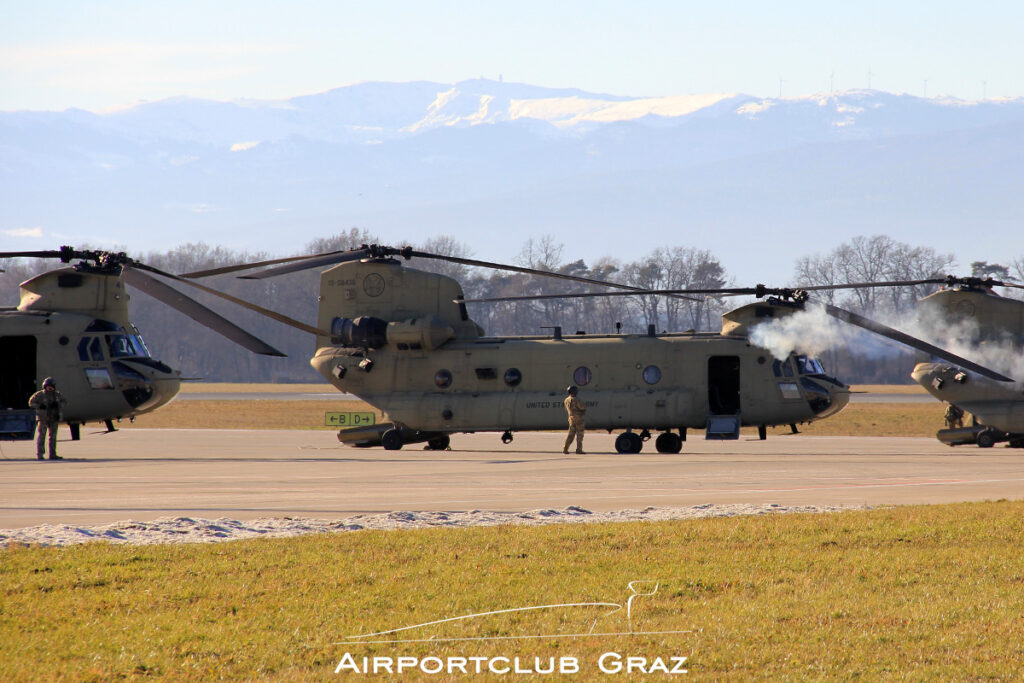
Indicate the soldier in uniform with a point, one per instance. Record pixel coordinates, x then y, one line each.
954 417
49 406
575 409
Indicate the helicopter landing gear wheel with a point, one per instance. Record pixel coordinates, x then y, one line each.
506 437
668 443
628 442
439 443
391 440
986 439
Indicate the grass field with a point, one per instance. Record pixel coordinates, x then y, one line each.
924 593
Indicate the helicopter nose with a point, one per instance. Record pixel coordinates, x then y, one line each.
840 395
825 397
927 374
147 384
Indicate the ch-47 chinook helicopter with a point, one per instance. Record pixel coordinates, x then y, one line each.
402 340
73 324
968 311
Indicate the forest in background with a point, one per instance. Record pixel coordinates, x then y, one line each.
201 353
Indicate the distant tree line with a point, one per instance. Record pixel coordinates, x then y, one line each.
201 353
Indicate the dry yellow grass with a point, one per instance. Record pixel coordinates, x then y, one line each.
238 387
263 414
858 419
878 419
889 388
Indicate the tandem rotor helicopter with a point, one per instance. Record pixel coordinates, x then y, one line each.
995 327
402 340
73 324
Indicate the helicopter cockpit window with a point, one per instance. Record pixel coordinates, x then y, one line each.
126 345
809 366
513 377
89 348
443 379
582 376
782 368
652 374
139 342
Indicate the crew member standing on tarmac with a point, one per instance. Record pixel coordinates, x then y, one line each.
954 417
576 410
49 406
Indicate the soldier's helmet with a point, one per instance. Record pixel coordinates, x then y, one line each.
571 390
48 382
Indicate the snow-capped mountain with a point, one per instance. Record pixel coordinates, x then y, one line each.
493 163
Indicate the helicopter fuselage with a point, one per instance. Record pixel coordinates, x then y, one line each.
994 327
72 325
667 381
403 342
103 369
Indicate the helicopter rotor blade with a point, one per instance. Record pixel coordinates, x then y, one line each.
529 271
913 342
30 254
313 261
274 315
223 270
195 310
297 263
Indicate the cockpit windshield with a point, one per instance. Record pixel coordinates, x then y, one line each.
126 346
809 366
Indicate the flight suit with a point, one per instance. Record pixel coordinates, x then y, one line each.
954 416
49 406
575 409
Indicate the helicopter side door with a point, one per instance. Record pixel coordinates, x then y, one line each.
723 397
17 370
17 384
724 385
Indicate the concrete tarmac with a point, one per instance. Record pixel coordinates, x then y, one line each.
145 474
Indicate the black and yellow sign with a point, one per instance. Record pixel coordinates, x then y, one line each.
350 419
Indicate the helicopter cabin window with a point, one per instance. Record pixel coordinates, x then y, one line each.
582 376
443 379
99 378
809 366
513 377
789 390
652 374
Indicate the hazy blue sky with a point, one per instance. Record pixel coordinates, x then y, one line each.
56 54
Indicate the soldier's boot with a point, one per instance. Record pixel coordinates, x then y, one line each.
54 456
40 456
